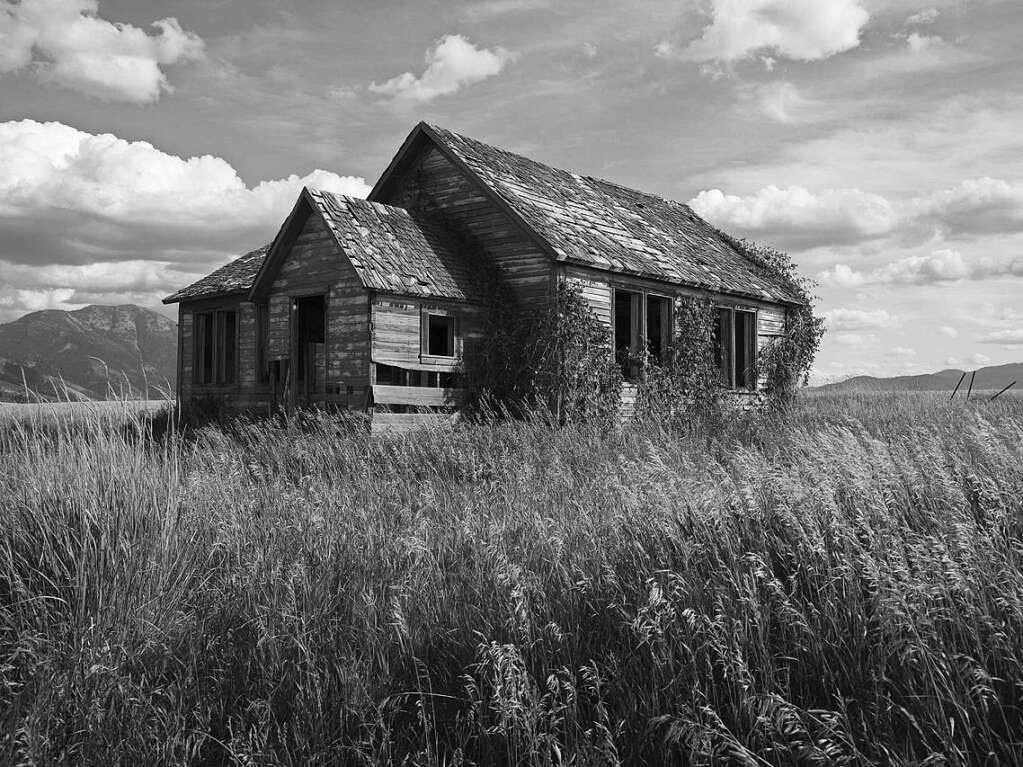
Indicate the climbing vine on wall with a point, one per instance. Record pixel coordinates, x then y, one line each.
785 362
686 383
557 356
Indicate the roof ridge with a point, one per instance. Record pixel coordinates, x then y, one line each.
588 177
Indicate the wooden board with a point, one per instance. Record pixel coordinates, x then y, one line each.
421 396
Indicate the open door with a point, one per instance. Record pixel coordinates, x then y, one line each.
309 333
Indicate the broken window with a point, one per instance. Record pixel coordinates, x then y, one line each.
735 343
438 335
216 347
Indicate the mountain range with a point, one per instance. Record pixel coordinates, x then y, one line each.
987 379
96 352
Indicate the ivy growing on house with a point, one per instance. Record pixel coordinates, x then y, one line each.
786 361
556 357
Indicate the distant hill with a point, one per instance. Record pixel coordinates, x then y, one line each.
994 377
92 350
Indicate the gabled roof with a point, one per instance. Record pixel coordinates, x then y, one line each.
391 249
595 223
234 277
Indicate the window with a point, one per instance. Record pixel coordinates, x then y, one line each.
216 347
438 331
640 317
658 327
736 347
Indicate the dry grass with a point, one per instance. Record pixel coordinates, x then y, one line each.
843 587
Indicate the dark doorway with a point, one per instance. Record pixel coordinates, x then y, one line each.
310 335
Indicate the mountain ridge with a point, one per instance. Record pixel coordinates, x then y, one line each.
94 352
992 377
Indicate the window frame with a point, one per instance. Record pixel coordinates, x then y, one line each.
638 325
728 367
222 347
454 336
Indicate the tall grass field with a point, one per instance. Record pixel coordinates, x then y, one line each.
841 585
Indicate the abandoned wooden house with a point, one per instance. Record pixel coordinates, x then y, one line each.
369 304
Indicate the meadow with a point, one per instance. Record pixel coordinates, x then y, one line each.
839 585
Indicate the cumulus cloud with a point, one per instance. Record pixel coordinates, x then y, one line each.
948 331
1010 336
940 266
451 64
804 30
900 353
975 206
854 340
926 16
794 216
843 319
797 217
66 42
100 215
918 43
980 359
779 101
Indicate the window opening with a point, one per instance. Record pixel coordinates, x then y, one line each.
658 327
440 336
216 347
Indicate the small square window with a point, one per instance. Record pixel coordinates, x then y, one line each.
440 336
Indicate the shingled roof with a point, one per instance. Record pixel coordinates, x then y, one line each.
395 251
595 223
234 277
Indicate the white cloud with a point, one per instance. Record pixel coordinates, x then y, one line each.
452 63
900 353
844 319
975 206
926 16
795 216
805 30
980 359
98 214
940 266
65 42
855 340
780 101
918 43
1009 336
948 331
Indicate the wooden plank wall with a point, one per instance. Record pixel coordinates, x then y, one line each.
315 265
186 352
397 330
435 184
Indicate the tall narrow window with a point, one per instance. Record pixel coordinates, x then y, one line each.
627 315
735 344
744 343
658 327
216 347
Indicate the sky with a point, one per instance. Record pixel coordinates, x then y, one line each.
878 142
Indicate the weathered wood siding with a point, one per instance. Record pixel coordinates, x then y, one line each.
247 390
316 266
397 330
435 184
